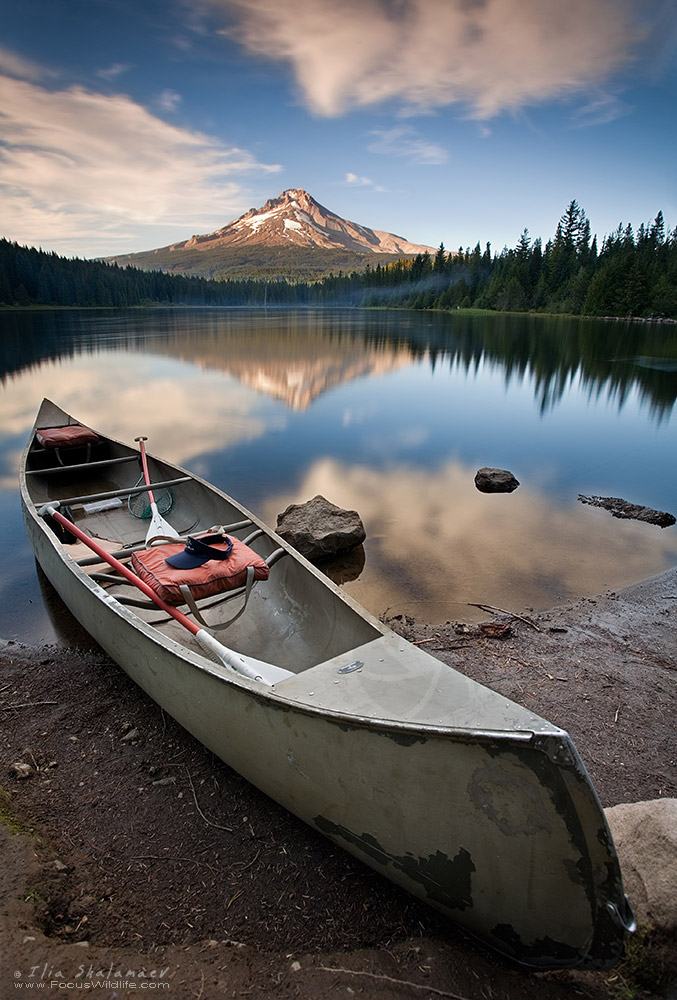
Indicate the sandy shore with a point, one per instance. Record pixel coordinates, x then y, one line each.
130 850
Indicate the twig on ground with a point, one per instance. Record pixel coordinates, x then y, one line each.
216 826
502 611
30 704
390 979
158 857
243 867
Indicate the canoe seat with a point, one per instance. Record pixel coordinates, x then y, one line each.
224 581
66 436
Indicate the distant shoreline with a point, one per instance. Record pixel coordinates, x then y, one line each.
178 307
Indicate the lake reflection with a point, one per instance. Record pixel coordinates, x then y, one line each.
389 413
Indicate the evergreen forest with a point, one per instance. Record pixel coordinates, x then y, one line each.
632 274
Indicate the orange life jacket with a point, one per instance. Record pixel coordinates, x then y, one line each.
213 577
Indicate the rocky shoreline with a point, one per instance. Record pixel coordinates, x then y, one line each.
130 850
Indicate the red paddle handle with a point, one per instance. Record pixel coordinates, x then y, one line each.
144 463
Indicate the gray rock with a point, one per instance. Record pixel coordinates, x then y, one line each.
645 834
495 481
22 770
319 529
621 508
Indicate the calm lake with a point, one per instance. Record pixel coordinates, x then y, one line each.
388 413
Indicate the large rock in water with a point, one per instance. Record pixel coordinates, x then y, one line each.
319 529
645 834
495 481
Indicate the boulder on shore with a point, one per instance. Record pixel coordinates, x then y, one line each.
495 481
319 529
645 834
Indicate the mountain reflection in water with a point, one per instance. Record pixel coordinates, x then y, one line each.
297 355
388 413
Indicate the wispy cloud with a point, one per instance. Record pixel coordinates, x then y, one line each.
405 142
598 110
85 173
355 180
113 71
491 55
169 100
12 64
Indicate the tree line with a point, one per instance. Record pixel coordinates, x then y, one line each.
31 277
631 274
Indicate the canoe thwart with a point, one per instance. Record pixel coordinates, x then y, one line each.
81 465
129 491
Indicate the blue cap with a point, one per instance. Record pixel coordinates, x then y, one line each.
201 550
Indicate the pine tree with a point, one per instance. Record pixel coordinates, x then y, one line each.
440 262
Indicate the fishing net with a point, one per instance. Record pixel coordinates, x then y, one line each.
139 505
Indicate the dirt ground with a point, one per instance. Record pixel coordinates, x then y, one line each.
133 859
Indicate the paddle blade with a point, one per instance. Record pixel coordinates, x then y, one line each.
248 666
159 529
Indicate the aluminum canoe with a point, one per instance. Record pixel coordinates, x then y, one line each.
468 800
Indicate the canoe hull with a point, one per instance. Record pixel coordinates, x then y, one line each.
502 832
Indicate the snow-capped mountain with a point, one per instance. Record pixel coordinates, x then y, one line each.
294 218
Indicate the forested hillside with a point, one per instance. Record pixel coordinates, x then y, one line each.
631 274
233 263
30 277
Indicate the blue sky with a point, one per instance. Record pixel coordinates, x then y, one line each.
130 124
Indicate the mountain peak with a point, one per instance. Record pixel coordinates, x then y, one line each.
294 218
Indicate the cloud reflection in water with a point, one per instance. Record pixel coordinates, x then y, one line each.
434 543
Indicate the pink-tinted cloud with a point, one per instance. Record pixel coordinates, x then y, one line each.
490 55
83 170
